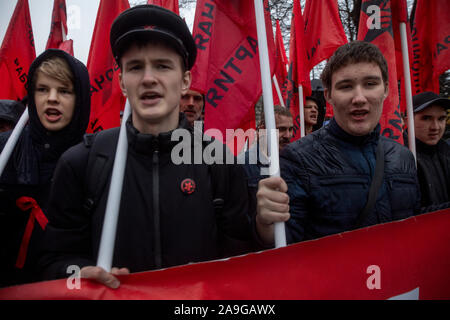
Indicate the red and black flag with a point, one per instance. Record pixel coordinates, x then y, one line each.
298 67
168 4
107 99
17 53
324 33
58 28
281 65
227 69
376 26
431 44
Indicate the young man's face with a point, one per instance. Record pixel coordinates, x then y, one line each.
285 126
429 124
357 94
191 105
55 102
153 80
311 112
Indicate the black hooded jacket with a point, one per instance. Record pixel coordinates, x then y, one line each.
30 168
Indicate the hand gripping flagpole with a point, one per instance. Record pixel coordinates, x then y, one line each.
408 91
12 140
269 117
108 238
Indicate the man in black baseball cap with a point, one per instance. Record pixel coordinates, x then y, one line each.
170 213
433 153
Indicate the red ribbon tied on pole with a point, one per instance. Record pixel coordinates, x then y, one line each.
24 204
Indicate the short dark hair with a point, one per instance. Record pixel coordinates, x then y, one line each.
354 52
277 110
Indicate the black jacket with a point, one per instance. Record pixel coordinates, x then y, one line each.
159 225
433 169
30 169
328 174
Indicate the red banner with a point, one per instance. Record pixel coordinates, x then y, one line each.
380 262
107 99
431 44
378 16
227 69
17 53
168 4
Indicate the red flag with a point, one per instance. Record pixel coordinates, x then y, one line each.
17 53
400 15
299 68
58 27
107 99
168 4
227 69
382 35
323 30
280 67
67 46
431 44
373 263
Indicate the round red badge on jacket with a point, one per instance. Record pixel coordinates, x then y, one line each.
188 186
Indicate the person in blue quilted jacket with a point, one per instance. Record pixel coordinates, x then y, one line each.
326 176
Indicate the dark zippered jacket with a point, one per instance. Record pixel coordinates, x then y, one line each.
328 174
159 225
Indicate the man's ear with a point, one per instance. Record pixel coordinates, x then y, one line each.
187 79
327 95
386 89
122 86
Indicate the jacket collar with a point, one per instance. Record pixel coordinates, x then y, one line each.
339 133
148 143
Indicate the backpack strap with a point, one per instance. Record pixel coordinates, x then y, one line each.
377 180
103 147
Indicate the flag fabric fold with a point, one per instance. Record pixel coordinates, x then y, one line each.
107 99
17 53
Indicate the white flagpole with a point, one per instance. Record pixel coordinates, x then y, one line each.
108 238
12 140
302 111
277 87
269 117
409 104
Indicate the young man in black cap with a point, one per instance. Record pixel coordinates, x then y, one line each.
169 214
433 153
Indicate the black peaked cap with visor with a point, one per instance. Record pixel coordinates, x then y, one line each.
152 22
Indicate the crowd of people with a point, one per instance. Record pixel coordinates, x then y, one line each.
340 177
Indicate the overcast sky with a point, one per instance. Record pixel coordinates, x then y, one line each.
81 15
